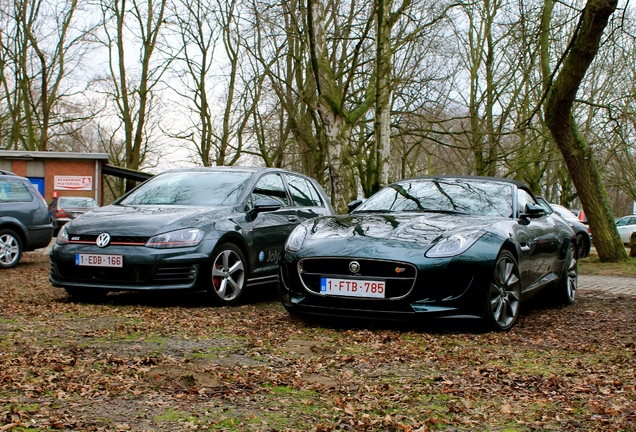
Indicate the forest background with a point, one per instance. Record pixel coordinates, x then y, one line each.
354 93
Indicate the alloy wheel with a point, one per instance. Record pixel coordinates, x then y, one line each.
228 274
505 293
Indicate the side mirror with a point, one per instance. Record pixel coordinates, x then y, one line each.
265 205
533 211
354 205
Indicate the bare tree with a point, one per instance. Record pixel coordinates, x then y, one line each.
131 25
219 116
41 45
576 150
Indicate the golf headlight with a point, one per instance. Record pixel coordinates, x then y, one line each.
453 245
62 236
176 239
296 239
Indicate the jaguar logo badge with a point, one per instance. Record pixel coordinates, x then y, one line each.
354 267
103 240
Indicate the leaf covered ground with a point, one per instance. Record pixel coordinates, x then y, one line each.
171 363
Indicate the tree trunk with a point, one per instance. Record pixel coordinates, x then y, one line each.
575 149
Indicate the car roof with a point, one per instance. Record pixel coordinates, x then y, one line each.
234 168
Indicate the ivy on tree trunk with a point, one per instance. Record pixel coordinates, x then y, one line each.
576 150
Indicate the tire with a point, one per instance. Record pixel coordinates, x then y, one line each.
582 247
569 277
228 275
86 295
503 300
10 248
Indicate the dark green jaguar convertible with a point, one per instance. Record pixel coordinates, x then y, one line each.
431 247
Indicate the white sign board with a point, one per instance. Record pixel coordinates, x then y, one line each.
73 183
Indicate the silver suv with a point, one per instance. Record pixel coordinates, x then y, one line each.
25 222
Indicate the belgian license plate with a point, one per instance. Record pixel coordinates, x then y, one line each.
353 287
99 260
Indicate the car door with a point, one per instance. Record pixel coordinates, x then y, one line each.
539 244
626 226
269 229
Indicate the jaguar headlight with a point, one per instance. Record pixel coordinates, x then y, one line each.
188 237
453 245
296 239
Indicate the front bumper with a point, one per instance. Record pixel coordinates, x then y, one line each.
444 288
144 269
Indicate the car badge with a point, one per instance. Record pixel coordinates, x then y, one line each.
103 240
400 270
354 266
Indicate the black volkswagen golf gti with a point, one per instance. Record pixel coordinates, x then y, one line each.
206 229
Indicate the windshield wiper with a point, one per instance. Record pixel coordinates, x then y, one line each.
454 212
372 211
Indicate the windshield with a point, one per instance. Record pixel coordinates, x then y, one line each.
220 188
463 196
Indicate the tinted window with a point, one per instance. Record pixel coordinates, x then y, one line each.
271 186
303 192
464 196
14 191
190 188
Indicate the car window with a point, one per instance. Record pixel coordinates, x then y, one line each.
270 186
190 188
441 195
523 199
303 192
76 202
622 222
14 191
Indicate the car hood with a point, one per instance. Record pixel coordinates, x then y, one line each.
144 220
406 227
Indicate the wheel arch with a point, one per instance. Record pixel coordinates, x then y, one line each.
512 248
16 228
238 241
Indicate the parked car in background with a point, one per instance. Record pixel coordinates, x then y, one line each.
583 233
65 208
580 215
25 224
626 226
213 229
430 247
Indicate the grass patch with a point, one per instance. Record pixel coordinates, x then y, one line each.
592 265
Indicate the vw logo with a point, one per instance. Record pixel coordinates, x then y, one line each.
102 240
354 266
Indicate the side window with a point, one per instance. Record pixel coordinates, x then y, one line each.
524 198
270 186
14 191
303 192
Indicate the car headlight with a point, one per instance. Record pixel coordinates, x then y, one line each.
453 245
296 239
176 239
62 236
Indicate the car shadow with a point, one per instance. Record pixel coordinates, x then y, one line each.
159 299
440 325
